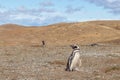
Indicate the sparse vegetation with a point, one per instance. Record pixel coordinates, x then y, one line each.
113 55
112 68
57 63
28 62
61 34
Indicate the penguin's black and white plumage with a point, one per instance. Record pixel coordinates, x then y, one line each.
74 59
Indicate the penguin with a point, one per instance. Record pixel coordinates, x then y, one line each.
74 59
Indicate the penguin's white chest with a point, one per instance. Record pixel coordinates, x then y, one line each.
75 59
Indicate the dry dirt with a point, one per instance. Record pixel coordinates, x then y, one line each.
99 62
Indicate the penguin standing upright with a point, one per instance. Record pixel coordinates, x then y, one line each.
74 59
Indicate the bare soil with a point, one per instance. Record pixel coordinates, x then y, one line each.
99 62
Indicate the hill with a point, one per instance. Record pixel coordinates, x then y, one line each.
83 33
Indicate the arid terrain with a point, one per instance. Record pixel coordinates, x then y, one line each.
22 56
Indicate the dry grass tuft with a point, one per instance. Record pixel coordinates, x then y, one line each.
57 63
112 68
113 55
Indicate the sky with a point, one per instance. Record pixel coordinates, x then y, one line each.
46 12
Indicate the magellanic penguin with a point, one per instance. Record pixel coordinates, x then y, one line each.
74 59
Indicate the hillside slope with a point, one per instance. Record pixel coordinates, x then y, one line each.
61 34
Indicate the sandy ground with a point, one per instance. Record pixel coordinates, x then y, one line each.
100 62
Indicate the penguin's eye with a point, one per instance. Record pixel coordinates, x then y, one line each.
75 46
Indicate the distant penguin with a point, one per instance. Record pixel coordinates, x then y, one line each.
74 59
43 43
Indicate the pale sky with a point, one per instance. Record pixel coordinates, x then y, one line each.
45 12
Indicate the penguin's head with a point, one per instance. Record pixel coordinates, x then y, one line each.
75 46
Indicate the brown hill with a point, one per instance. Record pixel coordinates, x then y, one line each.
11 26
113 24
61 34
